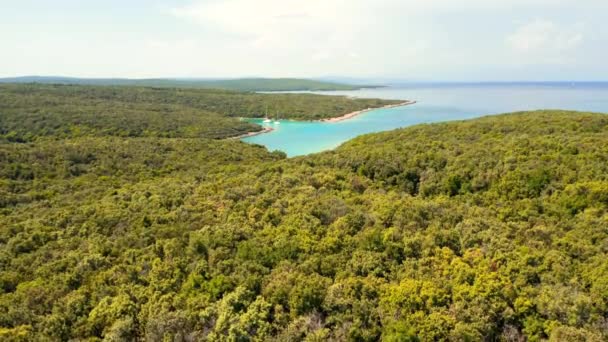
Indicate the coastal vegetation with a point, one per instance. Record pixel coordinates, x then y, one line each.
489 229
30 111
240 84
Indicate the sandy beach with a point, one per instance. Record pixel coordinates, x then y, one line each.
329 120
353 114
252 134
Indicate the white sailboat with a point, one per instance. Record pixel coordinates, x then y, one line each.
276 121
266 118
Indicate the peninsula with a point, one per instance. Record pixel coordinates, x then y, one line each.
359 112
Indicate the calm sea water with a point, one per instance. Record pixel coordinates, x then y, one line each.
436 102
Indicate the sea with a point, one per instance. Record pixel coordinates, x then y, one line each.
435 102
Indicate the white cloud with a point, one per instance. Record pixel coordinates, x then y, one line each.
258 17
310 38
317 37
283 33
240 13
543 41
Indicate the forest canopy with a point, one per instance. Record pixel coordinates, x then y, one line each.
29 111
489 229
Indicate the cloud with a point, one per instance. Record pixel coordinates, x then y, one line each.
305 33
286 24
440 39
543 41
238 13
261 16
388 36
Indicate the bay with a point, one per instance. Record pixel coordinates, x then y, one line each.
435 103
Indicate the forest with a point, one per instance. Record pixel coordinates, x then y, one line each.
30 111
492 229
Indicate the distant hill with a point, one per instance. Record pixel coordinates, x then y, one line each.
242 84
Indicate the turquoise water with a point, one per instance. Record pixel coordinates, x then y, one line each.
436 102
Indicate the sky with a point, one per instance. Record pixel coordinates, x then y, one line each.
447 40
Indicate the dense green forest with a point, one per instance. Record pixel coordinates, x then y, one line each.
491 229
32 111
241 84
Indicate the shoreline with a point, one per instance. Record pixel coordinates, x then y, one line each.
328 120
252 134
359 112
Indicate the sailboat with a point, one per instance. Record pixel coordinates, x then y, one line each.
276 121
267 119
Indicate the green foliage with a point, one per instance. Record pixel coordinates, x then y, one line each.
28 112
489 229
31 111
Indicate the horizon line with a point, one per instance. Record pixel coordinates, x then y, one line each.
335 79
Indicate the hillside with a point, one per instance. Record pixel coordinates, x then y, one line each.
241 84
488 229
29 111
